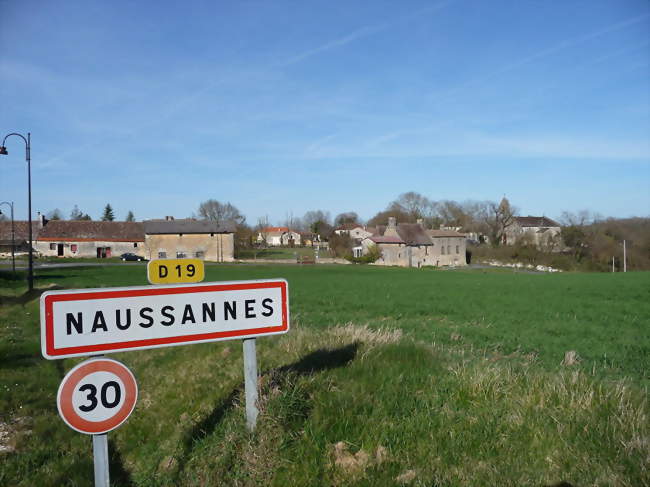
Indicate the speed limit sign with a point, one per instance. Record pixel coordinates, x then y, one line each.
97 396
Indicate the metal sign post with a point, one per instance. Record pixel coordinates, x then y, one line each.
100 458
250 383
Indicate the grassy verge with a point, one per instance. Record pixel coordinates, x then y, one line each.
388 377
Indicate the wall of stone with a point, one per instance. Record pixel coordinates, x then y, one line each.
216 247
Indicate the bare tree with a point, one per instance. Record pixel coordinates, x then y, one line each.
318 222
414 204
498 219
220 212
262 232
346 217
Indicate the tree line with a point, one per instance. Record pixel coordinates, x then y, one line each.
589 240
108 215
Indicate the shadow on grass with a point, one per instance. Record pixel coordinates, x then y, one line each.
312 363
27 296
119 475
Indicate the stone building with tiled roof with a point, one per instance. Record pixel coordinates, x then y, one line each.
189 238
411 245
540 231
100 239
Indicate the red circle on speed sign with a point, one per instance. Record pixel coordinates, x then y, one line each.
97 396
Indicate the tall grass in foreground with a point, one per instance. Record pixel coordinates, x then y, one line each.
349 397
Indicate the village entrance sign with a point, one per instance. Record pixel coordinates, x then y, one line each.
99 394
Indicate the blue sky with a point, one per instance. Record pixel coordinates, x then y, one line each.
283 107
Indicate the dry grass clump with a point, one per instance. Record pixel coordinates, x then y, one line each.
351 332
350 467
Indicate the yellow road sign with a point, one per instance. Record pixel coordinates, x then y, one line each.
174 271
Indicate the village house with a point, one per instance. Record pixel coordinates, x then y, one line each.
354 230
278 237
189 238
100 239
540 231
410 245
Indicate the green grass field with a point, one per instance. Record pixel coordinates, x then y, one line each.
388 376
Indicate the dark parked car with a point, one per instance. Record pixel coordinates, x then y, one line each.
130 256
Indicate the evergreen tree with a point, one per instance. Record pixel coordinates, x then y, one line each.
130 217
55 214
76 213
108 215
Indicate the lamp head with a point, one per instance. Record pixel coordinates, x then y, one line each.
3 151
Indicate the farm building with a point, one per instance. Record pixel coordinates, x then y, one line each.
189 238
61 238
20 235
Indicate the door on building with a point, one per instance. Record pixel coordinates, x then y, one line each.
59 250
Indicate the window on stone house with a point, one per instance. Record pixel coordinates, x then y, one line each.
457 249
52 246
73 248
180 254
442 250
449 249
162 255
135 245
199 254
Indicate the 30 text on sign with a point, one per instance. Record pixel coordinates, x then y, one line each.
97 396
173 271
93 321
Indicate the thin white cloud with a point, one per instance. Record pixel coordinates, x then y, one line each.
363 32
357 34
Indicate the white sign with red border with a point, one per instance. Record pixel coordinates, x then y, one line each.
97 396
96 321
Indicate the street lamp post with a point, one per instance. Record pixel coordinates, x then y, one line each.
3 151
13 235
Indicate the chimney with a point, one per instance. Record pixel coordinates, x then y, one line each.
41 219
391 229
169 218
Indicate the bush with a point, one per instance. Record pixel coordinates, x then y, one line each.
373 254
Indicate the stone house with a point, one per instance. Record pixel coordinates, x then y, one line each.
355 231
279 237
410 245
61 238
189 238
450 247
540 231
